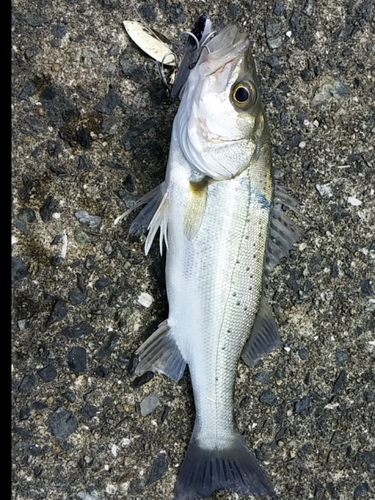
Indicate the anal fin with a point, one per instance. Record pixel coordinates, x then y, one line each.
264 336
160 353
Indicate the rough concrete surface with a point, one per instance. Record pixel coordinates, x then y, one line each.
91 124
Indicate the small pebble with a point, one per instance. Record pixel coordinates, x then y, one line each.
332 90
83 137
262 377
27 383
101 371
62 423
303 353
87 220
76 297
108 104
361 490
278 8
233 10
25 413
85 163
18 270
354 201
89 411
136 130
341 356
149 404
35 450
301 407
58 312
367 288
78 330
89 495
27 215
274 33
159 468
48 209
102 283
148 12
176 13
142 379
77 359
145 299
369 395
48 373
268 398
109 346
69 396
340 381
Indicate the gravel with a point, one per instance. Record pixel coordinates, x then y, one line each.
149 404
91 125
62 423
77 359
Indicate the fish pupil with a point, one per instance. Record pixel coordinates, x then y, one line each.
242 94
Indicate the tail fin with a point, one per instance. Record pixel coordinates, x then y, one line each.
207 470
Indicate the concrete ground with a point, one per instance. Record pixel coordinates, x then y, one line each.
91 125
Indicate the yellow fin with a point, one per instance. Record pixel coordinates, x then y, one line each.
195 207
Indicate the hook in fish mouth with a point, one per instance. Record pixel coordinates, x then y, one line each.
198 39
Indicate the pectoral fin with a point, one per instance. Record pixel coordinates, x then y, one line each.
159 220
195 207
264 336
152 217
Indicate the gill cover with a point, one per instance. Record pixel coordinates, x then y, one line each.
217 123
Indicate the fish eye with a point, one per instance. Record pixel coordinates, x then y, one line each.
244 95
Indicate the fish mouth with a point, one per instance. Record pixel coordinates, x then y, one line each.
222 49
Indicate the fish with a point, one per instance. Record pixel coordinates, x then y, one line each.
224 224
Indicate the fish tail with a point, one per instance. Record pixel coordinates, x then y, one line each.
232 468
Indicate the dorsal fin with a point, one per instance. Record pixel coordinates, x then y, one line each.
283 231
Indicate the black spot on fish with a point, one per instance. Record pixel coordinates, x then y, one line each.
262 200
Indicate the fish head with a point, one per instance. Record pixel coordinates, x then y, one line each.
220 123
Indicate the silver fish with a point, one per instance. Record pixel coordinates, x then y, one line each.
224 227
